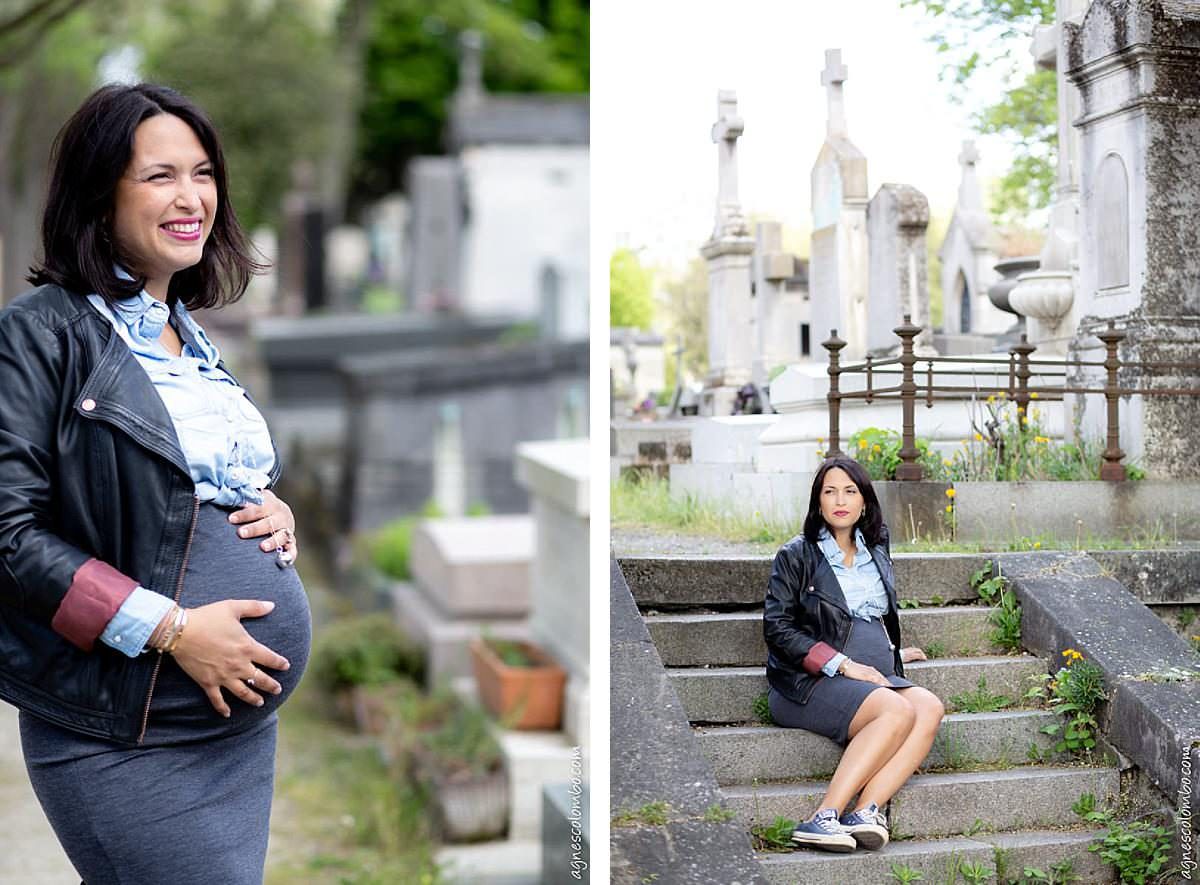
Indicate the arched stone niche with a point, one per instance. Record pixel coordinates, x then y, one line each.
1112 223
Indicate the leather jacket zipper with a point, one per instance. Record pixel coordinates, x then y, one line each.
178 593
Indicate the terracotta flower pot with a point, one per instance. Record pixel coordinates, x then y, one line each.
521 697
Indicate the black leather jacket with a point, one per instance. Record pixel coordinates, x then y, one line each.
806 619
90 469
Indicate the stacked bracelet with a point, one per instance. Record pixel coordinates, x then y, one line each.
170 636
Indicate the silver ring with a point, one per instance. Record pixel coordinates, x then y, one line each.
250 682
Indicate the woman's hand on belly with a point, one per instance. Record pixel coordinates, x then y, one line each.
216 652
865 673
272 518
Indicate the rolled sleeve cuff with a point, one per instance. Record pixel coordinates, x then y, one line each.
831 666
135 620
96 593
817 657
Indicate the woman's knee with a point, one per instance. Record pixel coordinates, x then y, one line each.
895 709
927 706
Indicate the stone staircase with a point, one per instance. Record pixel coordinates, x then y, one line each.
977 797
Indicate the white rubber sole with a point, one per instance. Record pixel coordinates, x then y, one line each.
841 844
870 836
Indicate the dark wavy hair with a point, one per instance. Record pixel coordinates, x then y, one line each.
90 154
871 522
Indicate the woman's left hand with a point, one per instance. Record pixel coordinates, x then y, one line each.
912 653
272 518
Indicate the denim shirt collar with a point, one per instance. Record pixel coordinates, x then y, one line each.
144 317
829 546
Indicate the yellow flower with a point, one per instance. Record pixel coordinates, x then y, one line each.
1033 395
877 448
1037 545
862 443
1020 410
1003 394
820 440
950 493
991 399
1041 440
946 461
949 507
978 437
1068 652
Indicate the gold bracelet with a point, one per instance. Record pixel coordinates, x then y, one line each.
169 634
156 643
183 619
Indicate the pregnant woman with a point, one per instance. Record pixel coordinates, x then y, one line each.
834 662
137 529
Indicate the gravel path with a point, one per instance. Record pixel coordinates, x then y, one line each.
646 541
33 856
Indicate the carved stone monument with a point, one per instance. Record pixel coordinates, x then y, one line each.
897 218
1136 64
728 253
838 268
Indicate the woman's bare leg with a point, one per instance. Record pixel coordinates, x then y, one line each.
891 776
877 732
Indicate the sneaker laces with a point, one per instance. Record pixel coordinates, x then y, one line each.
827 821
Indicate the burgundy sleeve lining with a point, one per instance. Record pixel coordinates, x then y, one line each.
818 656
96 593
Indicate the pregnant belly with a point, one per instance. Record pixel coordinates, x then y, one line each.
222 566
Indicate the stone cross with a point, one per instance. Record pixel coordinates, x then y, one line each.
832 78
725 133
969 196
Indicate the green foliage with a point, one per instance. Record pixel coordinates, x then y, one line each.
364 650
251 67
775 836
684 316
390 545
716 814
978 36
411 70
631 301
1139 850
762 709
980 700
1074 692
935 649
1006 611
652 814
910 603
511 653
1061 873
974 873
462 744
904 874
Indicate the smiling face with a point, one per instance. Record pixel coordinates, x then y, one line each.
841 501
165 203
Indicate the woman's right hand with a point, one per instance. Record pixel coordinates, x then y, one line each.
865 673
216 652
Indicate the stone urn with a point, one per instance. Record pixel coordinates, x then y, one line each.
1009 269
1045 295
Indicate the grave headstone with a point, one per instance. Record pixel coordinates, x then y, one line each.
897 218
780 311
968 258
1136 65
728 253
436 229
838 263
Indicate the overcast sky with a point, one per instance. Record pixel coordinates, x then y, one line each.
657 66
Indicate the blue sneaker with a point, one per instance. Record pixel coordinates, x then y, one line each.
867 826
822 830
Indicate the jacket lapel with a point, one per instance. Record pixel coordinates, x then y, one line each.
120 393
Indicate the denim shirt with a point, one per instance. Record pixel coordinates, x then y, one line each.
224 439
861 584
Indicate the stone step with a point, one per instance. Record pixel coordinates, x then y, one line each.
934 857
928 805
743 754
674 582
727 694
735 639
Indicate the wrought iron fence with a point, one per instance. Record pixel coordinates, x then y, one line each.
1020 369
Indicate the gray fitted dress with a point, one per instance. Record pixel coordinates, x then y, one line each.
191 804
835 699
